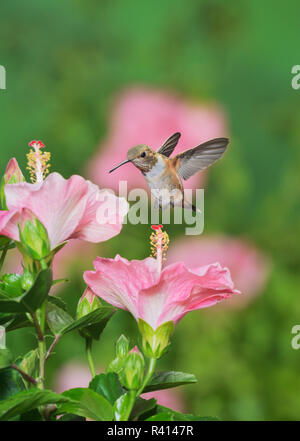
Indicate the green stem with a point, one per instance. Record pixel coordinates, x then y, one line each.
132 395
25 375
3 255
89 342
40 328
42 352
43 264
147 378
52 346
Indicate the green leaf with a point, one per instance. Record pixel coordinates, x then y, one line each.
123 405
30 300
56 281
12 284
18 321
29 362
57 318
11 383
167 380
92 323
36 295
107 385
4 241
31 415
6 358
28 400
162 416
57 301
141 408
6 318
12 321
177 416
86 403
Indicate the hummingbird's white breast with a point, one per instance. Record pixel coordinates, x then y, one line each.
162 184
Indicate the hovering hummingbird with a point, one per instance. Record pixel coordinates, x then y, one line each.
164 173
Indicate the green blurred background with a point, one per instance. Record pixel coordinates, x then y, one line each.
65 60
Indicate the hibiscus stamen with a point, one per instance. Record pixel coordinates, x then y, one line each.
38 161
159 241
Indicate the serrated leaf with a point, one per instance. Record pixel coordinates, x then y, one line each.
167 380
31 299
142 407
28 400
107 385
57 318
86 403
92 323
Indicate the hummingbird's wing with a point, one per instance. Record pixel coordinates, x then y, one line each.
191 161
169 145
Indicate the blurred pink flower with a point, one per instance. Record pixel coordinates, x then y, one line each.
68 208
142 115
249 268
71 375
13 262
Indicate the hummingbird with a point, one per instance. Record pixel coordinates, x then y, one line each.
165 174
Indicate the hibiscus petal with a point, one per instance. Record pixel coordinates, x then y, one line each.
119 281
59 203
181 290
9 224
103 215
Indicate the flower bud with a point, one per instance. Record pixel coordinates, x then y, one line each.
27 280
33 236
116 366
132 375
11 284
122 347
88 303
155 342
135 349
12 175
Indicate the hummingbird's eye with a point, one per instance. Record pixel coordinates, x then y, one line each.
143 155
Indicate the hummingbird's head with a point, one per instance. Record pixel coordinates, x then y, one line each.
142 156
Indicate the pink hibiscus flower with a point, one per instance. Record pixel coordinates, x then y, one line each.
149 116
154 295
68 208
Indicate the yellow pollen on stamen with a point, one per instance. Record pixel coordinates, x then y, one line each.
159 242
38 163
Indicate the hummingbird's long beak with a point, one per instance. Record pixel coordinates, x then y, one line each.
122 163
